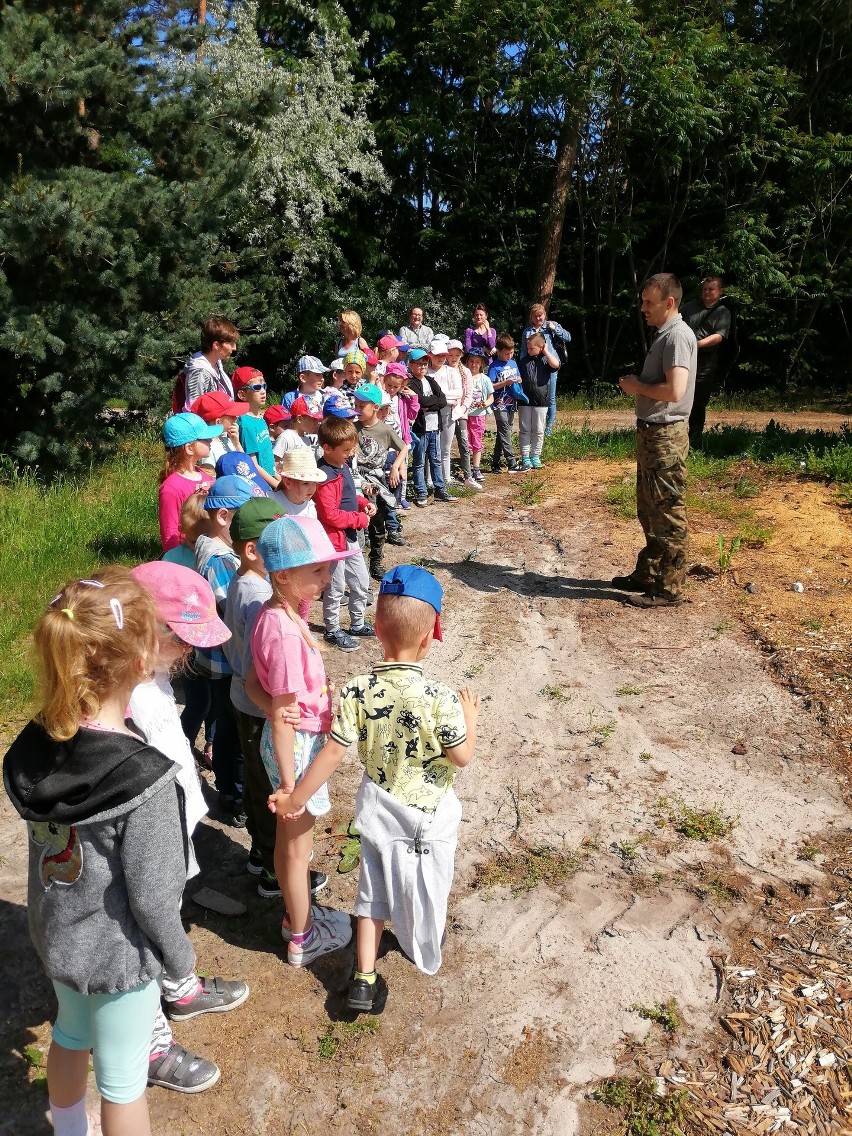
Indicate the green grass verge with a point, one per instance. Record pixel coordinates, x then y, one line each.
68 528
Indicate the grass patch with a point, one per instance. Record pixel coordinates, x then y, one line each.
663 1014
645 756
695 824
68 528
621 498
628 689
645 1112
525 869
531 490
628 850
345 1037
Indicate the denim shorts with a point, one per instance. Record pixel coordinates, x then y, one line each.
117 1028
305 748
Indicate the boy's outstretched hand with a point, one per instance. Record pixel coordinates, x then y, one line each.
470 704
279 803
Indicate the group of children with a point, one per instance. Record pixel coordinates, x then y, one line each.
262 511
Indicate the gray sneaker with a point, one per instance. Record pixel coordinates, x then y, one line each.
182 1071
325 938
319 914
214 996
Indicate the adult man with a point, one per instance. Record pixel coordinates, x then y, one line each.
664 393
416 332
711 322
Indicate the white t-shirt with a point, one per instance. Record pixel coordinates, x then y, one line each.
306 509
287 440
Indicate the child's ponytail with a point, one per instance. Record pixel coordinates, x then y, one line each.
88 644
178 460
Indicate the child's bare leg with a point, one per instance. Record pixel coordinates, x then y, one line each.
293 842
126 1119
369 934
67 1073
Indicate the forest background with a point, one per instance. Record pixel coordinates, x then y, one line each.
277 161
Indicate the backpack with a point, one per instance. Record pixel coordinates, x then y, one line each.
179 392
560 349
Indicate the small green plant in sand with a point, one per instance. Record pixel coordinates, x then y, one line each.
663 1014
645 757
727 551
628 689
628 850
473 670
555 694
531 491
645 1111
344 1035
696 824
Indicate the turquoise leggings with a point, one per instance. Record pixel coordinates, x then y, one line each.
117 1028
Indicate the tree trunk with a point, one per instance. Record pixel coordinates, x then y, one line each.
202 12
550 241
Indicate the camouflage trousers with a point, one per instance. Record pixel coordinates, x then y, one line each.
660 488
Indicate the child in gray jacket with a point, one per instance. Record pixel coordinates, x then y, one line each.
107 848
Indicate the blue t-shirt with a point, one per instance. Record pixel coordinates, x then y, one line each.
497 372
255 440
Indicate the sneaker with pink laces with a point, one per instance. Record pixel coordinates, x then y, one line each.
322 939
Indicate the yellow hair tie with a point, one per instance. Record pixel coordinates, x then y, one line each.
67 611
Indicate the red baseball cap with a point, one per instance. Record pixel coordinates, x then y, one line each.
245 375
371 357
299 407
214 404
274 414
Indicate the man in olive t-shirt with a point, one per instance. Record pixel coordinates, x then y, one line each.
711 322
664 393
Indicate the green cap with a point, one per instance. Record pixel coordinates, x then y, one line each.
251 519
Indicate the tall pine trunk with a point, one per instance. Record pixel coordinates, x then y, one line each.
550 240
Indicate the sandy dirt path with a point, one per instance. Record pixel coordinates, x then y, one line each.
597 718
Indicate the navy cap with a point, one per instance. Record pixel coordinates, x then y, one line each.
237 464
411 580
228 493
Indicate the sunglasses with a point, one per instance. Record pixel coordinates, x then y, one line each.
256 386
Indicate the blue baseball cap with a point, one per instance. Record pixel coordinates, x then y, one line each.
237 464
292 542
228 493
180 429
411 580
416 353
368 392
338 408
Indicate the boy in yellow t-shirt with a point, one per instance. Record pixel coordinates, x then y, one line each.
413 734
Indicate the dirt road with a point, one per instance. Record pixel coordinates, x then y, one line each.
602 725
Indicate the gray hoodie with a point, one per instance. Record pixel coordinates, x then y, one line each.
107 857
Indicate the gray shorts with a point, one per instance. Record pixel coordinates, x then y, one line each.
407 862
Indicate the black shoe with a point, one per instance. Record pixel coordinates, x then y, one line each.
340 639
365 631
396 538
655 599
377 570
254 867
517 467
268 886
445 497
319 880
361 996
630 583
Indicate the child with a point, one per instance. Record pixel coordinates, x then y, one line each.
217 562
250 388
349 326
300 477
218 410
342 511
502 373
107 864
425 438
242 466
297 555
312 374
304 421
286 432
187 439
187 613
373 372
404 408
204 371
412 735
450 382
275 417
460 413
354 369
536 368
482 397
375 441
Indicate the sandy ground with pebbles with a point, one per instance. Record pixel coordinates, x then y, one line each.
599 722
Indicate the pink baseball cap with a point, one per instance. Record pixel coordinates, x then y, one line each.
184 602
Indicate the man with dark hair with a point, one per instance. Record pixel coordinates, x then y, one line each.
711 322
664 393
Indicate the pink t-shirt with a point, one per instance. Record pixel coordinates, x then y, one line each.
173 492
285 664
